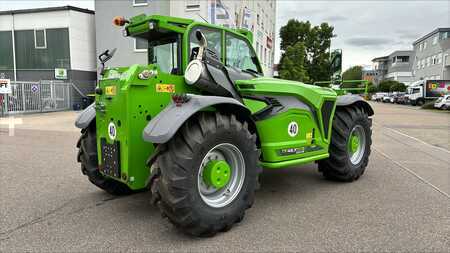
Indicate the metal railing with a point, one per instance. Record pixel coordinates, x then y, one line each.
42 96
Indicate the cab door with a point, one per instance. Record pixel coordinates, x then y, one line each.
241 61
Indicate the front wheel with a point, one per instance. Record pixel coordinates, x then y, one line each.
351 141
208 174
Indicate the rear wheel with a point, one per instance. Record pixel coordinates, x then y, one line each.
208 174
87 156
350 145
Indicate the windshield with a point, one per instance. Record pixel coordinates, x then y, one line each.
165 52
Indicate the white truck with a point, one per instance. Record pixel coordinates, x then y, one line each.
421 91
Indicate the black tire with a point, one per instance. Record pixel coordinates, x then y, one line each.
339 166
420 102
87 156
175 189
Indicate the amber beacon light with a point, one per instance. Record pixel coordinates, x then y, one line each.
120 21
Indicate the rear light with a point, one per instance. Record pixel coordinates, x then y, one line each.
180 99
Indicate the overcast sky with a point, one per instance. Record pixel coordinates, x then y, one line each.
364 29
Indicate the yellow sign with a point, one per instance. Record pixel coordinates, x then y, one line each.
166 88
309 137
110 90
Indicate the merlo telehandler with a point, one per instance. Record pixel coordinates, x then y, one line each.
199 122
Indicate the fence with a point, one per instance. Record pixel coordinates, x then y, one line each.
43 96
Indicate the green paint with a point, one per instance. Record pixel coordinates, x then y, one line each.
217 174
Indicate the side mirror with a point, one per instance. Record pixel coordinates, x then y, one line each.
104 57
336 66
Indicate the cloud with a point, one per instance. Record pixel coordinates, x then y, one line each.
336 18
368 41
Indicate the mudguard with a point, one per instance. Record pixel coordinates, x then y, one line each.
86 117
164 126
350 99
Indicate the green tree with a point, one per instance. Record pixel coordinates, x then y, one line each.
316 41
293 63
398 87
372 88
391 85
353 73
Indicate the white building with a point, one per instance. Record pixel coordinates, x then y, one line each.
35 43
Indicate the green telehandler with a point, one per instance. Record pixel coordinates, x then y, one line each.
199 122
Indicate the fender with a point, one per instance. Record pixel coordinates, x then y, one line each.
164 126
351 99
86 117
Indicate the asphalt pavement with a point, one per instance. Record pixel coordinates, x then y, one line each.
401 203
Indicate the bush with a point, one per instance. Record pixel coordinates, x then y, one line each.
429 105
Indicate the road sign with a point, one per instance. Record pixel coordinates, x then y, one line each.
61 74
34 88
5 86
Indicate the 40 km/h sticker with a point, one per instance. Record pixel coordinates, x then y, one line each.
112 131
293 129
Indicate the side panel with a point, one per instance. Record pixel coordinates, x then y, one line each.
295 125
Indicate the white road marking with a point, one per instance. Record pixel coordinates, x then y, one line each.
413 138
412 172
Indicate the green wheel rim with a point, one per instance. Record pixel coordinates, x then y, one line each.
357 144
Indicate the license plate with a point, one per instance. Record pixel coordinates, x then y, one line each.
110 90
110 158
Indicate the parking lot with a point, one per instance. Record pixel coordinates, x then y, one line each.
401 203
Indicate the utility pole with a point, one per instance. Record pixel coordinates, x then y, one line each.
14 48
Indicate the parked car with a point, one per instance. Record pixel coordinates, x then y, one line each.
386 99
379 96
443 103
395 97
402 99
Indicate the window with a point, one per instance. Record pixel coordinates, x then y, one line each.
393 59
424 45
192 5
140 45
420 47
165 52
439 58
435 40
40 39
434 59
428 61
213 37
403 58
240 54
140 2
258 19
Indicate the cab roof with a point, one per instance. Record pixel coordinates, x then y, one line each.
141 24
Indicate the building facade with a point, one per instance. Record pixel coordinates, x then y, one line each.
397 66
432 56
257 16
35 43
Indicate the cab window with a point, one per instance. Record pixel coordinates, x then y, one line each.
213 37
240 55
165 51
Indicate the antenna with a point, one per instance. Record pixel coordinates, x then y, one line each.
203 18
